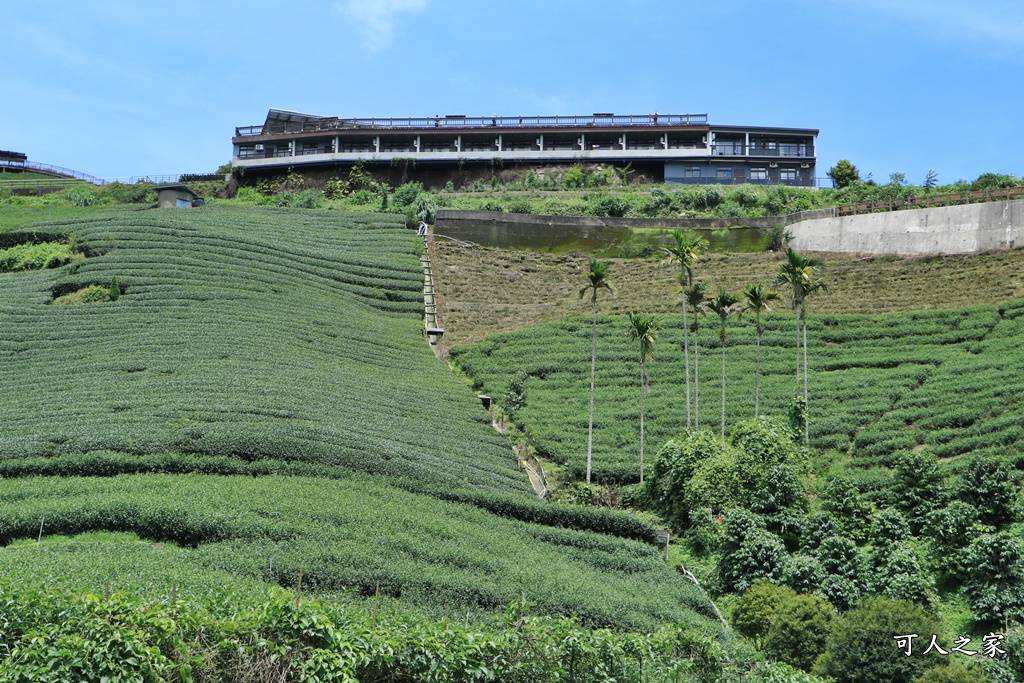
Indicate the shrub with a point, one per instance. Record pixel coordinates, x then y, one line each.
115 289
749 552
405 195
889 526
519 206
755 609
918 487
674 465
81 194
87 295
776 237
949 531
995 585
991 487
799 629
802 573
37 256
860 647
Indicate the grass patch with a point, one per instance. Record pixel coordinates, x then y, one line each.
87 537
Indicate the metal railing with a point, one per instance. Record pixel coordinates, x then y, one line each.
450 121
50 168
993 194
738 149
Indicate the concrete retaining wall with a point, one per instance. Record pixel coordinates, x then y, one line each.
942 230
447 218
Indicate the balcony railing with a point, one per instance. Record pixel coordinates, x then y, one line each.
595 120
738 149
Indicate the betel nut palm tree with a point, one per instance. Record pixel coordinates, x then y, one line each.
802 275
644 329
755 300
683 253
724 305
696 297
597 279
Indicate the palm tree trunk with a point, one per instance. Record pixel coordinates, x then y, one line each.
723 380
796 391
807 422
642 387
686 355
757 367
696 376
593 366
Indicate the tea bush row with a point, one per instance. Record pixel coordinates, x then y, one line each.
878 384
345 534
242 332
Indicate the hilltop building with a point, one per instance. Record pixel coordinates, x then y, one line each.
676 148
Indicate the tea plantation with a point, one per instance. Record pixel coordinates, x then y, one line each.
950 380
258 402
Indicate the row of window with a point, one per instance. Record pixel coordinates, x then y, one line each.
726 173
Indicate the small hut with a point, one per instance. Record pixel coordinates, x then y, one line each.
176 197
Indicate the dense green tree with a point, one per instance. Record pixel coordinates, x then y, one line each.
889 526
844 173
798 630
683 253
674 466
918 486
754 610
755 300
749 551
597 279
990 486
644 330
995 584
724 305
848 507
802 573
861 645
949 531
897 572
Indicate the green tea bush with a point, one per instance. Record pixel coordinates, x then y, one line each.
37 256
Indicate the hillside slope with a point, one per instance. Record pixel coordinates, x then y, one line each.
947 380
261 398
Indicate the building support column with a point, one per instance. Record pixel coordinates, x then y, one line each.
376 144
540 142
498 143
622 142
458 143
416 144
746 144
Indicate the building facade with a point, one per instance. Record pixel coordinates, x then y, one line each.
679 148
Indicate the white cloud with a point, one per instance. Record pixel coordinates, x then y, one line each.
377 18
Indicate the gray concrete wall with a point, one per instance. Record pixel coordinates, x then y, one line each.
446 218
941 230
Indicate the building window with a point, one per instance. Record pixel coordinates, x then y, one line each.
723 174
759 174
787 175
691 172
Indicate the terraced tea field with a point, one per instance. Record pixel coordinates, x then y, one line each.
949 380
259 401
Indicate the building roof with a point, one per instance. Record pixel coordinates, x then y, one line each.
286 116
174 188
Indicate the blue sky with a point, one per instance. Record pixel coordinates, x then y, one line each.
116 88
